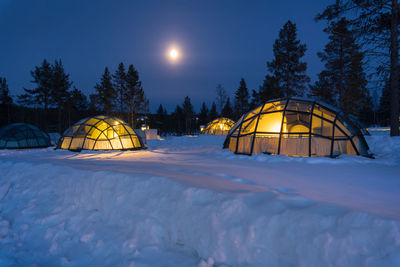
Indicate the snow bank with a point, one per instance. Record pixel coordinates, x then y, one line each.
56 215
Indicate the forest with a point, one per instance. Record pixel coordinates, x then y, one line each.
361 53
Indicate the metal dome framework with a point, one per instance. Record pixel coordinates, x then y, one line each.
296 127
219 126
100 133
22 135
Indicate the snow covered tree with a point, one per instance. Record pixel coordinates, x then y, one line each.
241 100
287 70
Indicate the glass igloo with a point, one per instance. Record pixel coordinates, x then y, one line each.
22 135
219 126
296 127
100 133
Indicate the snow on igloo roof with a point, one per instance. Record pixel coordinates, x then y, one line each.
100 133
22 135
296 127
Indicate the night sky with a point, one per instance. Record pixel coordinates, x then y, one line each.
220 42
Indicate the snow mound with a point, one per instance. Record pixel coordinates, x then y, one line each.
52 215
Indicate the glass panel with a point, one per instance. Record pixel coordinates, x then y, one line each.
101 125
89 143
295 145
343 127
92 121
274 106
253 112
77 143
116 144
136 142
126 142
120 130
232 144
266 143
129 129
320 147
322 112
102 145
102 137
296 122
65 143
244 146
93 133
296 105
248 126
270 122
111 134
339 133
361 147
343 147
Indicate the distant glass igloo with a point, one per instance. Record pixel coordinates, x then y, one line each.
22 135
296 127
219 126
100 133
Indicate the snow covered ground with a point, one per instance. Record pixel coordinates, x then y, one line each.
187 202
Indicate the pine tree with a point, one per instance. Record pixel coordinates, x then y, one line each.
203 115
77 104
286 69
241 100
105 93
343 82
188 112
213 114
376 24
161 121
227 111
221 97
269 90
41 95
119 79
59 92
134 97
5 100
178 120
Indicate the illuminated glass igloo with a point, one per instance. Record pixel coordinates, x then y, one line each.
219 126
296 127
100 133
22 135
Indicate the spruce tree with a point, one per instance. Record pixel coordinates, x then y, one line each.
135 98
119 79
270 89
343 82
241 100
227 111
203 115
41 95
5 100
77 104
287 70
105 93
376 24
60 85
213 114
188 112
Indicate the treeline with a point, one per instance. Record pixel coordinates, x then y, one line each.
54 104
362 39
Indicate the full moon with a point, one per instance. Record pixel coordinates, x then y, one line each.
173 54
